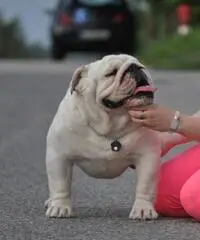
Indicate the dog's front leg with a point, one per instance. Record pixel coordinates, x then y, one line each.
59 173
147 170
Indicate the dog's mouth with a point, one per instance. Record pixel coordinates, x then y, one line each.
141 94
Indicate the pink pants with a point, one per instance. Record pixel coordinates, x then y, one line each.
178 193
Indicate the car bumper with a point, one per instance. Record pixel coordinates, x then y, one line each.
86 38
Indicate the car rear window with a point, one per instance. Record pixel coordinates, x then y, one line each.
97 3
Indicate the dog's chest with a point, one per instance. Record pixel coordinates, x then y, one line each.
97 158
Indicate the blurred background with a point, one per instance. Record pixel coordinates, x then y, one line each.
163 33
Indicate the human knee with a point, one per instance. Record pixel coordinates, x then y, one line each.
190 196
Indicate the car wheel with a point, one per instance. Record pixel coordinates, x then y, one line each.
57 52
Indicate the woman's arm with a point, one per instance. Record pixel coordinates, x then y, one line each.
189 130
170 140
190 127
159 118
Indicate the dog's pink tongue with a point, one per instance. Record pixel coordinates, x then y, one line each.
145 89
134 101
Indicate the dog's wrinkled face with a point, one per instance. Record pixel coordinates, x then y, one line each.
114 80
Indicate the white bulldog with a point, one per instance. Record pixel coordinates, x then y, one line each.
92 129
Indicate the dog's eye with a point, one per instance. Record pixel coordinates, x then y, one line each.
113 73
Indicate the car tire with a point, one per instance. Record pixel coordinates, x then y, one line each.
57 53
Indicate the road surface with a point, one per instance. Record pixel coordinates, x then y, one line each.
29 95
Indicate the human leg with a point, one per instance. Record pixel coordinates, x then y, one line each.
173 176
190 196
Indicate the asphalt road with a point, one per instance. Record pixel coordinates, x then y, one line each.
29 95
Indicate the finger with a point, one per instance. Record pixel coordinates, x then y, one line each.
141 114
138 121
141 122
137 114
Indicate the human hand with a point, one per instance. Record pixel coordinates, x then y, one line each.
155 117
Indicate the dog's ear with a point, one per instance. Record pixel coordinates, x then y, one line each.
77 75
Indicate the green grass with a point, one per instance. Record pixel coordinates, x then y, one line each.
176 52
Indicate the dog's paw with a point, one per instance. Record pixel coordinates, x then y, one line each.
58 208
47 203
143 210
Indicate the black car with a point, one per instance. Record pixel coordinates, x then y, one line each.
97 25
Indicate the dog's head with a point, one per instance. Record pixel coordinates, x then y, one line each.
113 80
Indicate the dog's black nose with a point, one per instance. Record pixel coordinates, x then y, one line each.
133 68
139 75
